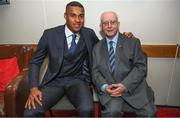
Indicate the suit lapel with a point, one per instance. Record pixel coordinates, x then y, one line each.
105 66
106 55
119 52
60 41
85 36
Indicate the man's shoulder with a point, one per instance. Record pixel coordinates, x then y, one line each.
87 29
131 41
60 27
99 44
128 40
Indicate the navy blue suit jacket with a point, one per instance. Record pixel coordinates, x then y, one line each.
52 44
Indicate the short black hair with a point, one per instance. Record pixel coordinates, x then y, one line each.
74 4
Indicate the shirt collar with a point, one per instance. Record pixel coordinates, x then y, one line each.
114 39
69 33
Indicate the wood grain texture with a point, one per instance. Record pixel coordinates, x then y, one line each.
160 51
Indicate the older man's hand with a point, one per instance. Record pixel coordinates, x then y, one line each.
115 90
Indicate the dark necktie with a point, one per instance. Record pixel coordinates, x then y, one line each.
111 57
73 44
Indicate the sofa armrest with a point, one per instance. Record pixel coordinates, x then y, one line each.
11 94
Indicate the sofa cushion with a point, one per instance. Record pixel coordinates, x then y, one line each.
8 70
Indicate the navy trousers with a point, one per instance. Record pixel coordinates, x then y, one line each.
76 90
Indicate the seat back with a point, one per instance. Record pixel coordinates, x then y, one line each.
22 52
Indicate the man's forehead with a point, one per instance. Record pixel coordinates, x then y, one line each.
75 9
109 17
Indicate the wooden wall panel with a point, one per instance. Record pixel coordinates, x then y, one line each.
157 51
160 51
154 51
178 51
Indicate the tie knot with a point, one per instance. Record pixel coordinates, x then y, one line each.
73 36
111 43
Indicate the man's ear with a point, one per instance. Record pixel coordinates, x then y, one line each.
119 24
101 32
65 15
100 27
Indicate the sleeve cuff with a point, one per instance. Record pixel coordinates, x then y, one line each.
103 87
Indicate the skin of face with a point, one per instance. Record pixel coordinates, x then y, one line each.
109 24
74 17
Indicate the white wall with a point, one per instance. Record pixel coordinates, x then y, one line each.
153 21
21 22
164 78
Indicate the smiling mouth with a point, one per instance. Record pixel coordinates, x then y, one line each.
77 26
109 30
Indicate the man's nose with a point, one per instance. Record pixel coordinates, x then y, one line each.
77 19
109 24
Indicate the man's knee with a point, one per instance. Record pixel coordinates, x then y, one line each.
111 111
85 110
115 112
113 108
33 113
149 111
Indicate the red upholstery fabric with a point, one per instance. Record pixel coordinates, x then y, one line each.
8 70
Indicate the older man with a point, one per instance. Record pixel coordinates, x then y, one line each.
119 72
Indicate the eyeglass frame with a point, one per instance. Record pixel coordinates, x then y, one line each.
106 23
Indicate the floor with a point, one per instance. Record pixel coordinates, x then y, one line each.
162 111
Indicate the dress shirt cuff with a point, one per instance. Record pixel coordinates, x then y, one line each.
103 87
125 90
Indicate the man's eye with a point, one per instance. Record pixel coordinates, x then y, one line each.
105 23
81 16
72 15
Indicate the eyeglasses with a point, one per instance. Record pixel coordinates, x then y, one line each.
106 23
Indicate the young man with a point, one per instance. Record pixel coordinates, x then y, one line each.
69 49
119 72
